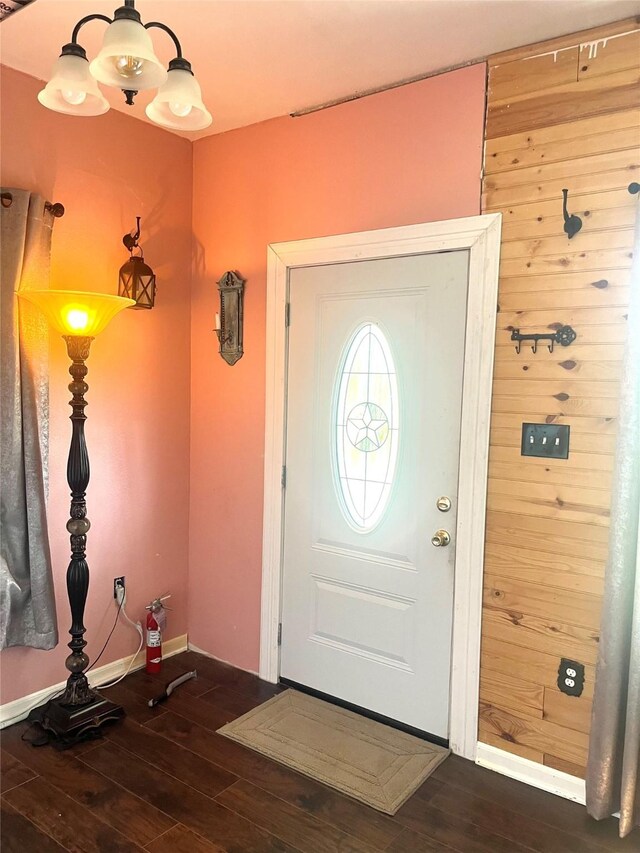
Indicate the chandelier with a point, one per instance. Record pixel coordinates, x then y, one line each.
127 62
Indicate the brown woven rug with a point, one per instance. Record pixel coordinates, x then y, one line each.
367 760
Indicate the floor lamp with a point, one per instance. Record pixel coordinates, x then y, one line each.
78 317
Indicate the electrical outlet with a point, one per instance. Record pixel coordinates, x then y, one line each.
117 583
547 440
571 677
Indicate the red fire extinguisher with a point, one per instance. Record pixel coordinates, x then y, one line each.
156 622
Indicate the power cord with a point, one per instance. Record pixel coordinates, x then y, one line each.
59 692
21 716
131 662
106 642
121 596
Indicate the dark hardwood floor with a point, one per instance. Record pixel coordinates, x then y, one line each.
165 782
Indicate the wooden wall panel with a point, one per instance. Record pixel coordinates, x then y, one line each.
608 179
616 55
509 84
565 113
540 633
537 148
564 106
559 43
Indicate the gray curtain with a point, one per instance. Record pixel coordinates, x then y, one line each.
28 613
613 777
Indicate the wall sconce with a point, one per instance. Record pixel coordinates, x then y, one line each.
136 280
229 321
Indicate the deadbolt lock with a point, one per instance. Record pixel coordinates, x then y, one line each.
440 538
443 503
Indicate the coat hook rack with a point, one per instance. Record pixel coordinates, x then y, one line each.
564 336
572 223
634 188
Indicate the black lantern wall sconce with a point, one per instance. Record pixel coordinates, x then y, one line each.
136 280
229 321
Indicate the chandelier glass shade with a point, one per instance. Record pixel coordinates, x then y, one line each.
126 61
178 104
72 89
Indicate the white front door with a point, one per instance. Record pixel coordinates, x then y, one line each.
374 388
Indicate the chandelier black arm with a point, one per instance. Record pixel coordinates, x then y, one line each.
169 31
83 21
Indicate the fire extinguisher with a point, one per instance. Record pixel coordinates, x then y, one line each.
156 623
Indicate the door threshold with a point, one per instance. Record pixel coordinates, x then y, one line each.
365 712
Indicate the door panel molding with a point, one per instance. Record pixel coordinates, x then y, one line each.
481 236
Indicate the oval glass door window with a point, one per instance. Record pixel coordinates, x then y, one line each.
366 428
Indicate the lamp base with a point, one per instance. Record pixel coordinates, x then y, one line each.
73 722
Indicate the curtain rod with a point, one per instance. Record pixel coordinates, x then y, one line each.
54 208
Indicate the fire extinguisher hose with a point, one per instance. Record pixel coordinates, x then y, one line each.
171 686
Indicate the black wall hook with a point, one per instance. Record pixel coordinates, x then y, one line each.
55 209
130 240
572 223
634 188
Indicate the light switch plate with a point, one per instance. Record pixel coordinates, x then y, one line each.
547 440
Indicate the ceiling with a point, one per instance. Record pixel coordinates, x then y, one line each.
258 59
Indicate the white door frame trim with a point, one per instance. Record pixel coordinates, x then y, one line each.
481 236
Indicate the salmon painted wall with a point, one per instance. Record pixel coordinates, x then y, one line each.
106 170
408 155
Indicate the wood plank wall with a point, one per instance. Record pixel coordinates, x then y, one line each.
564 113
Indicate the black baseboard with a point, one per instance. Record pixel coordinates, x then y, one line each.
379 718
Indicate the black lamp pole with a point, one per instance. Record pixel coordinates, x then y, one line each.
80 708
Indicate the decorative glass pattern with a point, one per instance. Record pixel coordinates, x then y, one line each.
366 422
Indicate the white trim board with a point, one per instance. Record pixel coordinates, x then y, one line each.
532 773
481 236
13 712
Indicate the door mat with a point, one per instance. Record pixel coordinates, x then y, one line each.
369 761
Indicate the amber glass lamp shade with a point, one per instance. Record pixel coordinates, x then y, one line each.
72 312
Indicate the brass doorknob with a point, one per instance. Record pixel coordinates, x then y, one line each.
440 538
